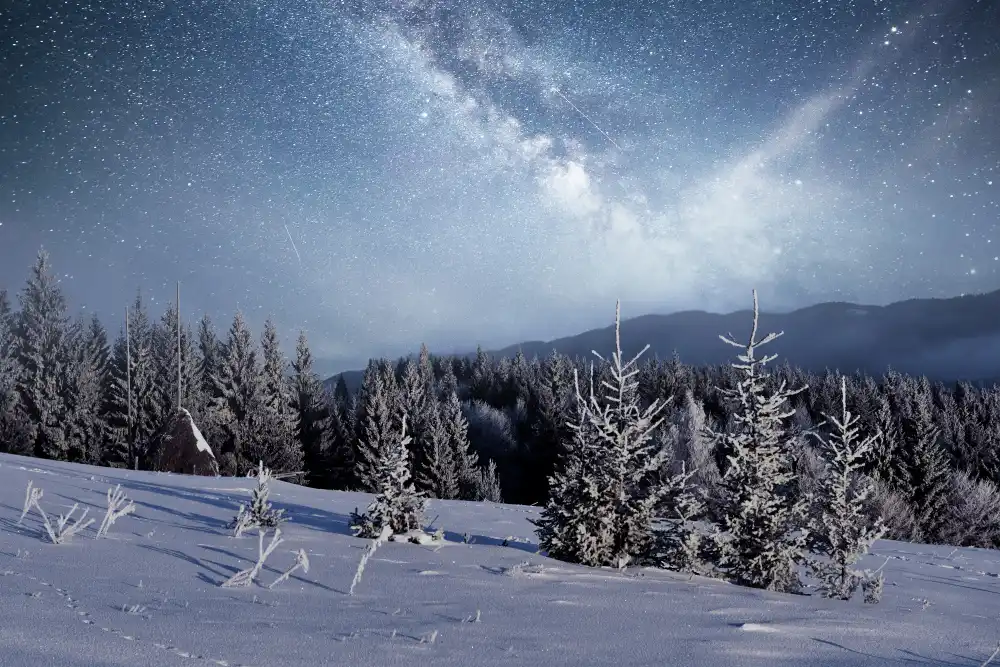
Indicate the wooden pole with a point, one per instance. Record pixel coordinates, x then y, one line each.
178 346
128 391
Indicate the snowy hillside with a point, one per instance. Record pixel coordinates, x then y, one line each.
149 593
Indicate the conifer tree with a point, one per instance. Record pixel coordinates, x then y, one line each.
414 398
132 364
841 532
760 543
309 404
926 471
42 356
378 416
604 499
165 361
464 459
82 384
237 390
438 473
13 426
281 447
397 506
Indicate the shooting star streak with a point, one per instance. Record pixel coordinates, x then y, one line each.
596 126
293 243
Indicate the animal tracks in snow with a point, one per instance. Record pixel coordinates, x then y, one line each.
84 616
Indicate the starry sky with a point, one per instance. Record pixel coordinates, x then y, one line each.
385 172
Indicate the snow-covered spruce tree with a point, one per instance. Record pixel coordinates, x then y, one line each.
258 513
397 506
762 532
42 354
605 495
377 423
926 473
280 421
132 364
489 483
841 532
165 362
83 384
310 407
436 471
13 424
237 389
465 460
694 445
574 525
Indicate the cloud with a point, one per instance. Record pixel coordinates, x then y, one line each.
720 229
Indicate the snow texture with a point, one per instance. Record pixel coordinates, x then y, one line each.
149 593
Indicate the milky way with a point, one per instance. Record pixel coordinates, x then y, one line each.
385 173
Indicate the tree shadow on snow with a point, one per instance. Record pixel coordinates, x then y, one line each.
193 560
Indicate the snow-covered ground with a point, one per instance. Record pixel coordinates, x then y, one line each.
149 594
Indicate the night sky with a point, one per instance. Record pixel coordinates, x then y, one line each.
381 173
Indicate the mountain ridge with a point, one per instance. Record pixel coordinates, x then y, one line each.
946 339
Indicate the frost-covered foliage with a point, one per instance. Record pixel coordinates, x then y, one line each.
65 528
301 563
259 513
841 532
605 492
895 510
247 577
370 550
761 539
680 539
973 515
397 505
117 508
489 483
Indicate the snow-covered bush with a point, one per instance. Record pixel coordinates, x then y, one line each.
397 505
761 537
259 513
840 533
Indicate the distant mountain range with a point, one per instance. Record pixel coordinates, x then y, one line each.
944 339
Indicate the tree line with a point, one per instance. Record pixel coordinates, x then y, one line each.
480 428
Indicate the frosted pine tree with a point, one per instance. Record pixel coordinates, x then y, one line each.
83 384
377 422
761 539
397 506
259 513
489 483
575 526
465 460
165 360
604 498
281 445
13 425
437 472
841 532
925 474
42 355
309 405
237 395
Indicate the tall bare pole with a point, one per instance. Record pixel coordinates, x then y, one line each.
178 346
128 388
